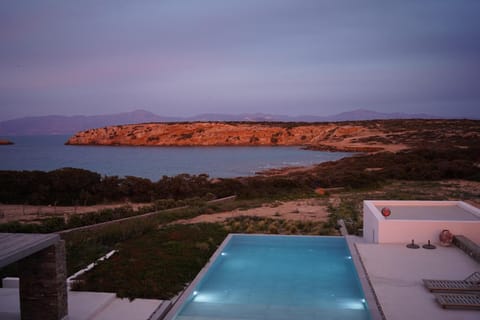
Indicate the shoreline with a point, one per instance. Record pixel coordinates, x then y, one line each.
283 171
325 148
221 165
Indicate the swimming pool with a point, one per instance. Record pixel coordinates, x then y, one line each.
276 277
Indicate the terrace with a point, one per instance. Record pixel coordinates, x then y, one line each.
396 272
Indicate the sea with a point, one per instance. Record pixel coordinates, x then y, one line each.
48 153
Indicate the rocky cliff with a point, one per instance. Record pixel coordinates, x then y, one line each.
346 137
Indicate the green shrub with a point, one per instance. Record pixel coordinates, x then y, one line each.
157 264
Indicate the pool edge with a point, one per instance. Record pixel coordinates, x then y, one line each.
374 306
183 296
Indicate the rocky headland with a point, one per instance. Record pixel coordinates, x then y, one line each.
361 136
4 142
319 136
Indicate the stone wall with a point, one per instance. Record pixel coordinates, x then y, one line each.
43 288
468 246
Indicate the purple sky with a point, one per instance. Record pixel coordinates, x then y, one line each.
293 57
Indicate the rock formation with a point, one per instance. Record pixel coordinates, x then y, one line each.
326 136
5 142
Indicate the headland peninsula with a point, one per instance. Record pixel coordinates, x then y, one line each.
359 136
4 142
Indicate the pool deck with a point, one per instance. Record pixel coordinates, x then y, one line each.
396 274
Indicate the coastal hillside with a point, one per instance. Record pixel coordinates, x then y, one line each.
230 134
369 136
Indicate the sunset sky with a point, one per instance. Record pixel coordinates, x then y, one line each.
292 57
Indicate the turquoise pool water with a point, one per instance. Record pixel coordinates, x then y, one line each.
277 277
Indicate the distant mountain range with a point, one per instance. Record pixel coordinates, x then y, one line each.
55 124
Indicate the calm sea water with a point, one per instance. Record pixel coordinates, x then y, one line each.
49 153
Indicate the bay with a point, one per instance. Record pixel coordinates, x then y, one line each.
48 153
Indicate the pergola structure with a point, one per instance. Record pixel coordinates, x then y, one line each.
42 272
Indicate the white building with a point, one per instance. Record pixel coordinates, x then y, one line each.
418 220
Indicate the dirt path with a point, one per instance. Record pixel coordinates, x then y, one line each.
305 210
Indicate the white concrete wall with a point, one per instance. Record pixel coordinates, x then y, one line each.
370 223
399 231
378 229
10 282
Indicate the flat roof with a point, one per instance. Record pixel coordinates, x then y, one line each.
429 212
396 274
16 246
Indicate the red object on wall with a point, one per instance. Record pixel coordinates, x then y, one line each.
386 212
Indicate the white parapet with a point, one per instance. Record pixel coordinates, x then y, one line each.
418 220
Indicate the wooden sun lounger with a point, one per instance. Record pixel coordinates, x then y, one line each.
458 300
471 283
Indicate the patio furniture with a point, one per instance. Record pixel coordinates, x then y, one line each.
458 300
470 283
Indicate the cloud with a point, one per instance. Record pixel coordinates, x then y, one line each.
305 56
